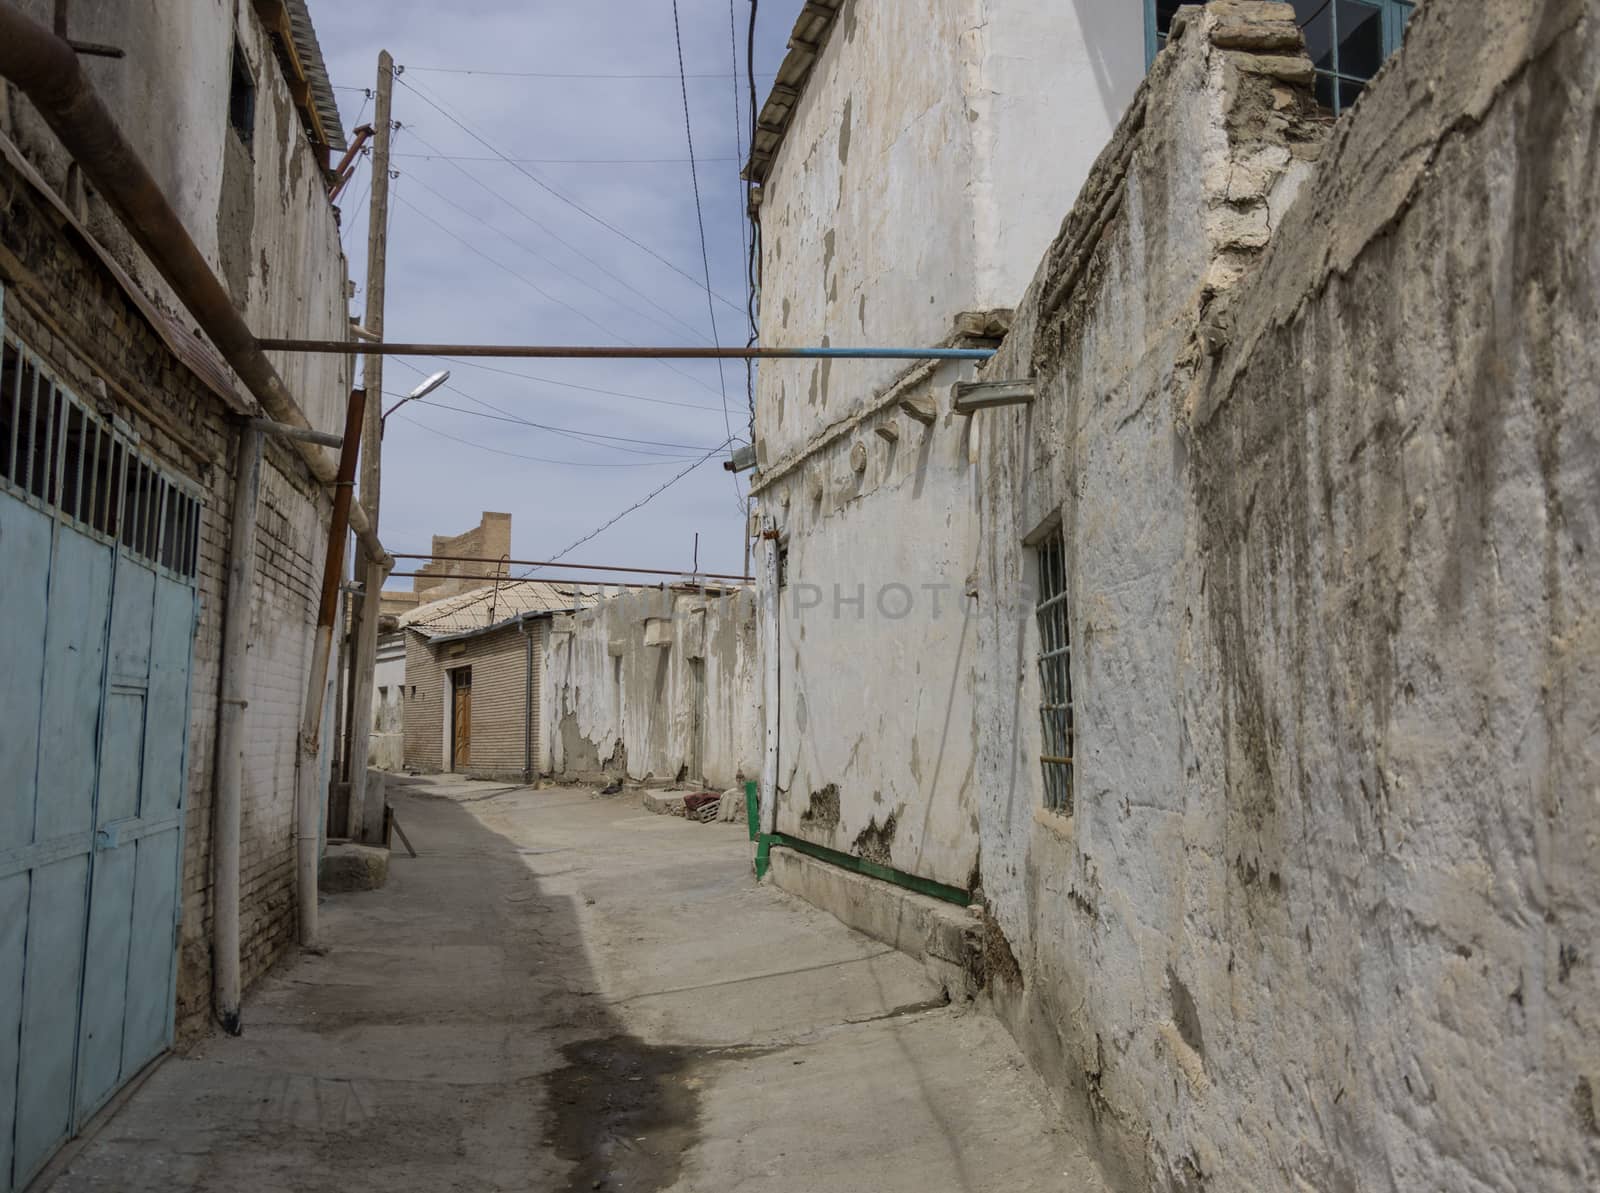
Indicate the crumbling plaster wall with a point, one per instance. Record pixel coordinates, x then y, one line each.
685 710
1323 915
876 640
924 169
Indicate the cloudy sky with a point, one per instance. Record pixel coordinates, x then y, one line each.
586 100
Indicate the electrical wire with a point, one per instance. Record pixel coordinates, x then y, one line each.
700 222
643 501
533 252
744 199
545 294
580 436
470 363
568 245
439 107
540 459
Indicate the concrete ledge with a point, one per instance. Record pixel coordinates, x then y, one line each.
349 867
942 936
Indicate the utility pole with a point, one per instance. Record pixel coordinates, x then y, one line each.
366 824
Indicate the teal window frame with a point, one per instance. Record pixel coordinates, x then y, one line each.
1395 14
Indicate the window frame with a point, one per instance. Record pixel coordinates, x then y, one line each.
1053 659
1395 14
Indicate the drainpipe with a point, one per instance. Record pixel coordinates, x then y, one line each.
770 659
527 707
46 69
234 682
308 785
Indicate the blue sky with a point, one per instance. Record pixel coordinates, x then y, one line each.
480 252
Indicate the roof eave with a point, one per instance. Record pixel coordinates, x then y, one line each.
811 31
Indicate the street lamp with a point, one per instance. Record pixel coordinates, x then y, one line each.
422 391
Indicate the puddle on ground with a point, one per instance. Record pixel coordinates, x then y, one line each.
625 1113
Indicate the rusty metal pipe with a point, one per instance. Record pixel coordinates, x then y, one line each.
611 352
46 70
546 563
308 785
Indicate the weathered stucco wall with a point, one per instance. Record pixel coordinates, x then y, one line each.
686 709
386 748
1323 915
875 639
924 169
260 215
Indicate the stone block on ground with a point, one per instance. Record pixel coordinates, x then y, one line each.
664 803
347 867
732 810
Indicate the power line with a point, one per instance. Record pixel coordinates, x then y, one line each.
744 238
700 221
545 186
568 245
593 389
581 436
541 459
540 290
643 501
529 249
507 416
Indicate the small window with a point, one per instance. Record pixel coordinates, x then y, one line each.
1348 40
1055 673
242 98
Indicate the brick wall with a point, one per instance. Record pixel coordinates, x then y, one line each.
499 700
63 305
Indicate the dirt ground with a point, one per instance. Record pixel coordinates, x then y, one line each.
565 992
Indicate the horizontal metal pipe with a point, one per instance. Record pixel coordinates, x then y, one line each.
47 71
607 352
582 567
505 581
285 431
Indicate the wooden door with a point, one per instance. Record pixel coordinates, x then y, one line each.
461 718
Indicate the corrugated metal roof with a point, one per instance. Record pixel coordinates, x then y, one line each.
310 53
483 608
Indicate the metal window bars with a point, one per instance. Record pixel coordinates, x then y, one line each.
1055 673
58 455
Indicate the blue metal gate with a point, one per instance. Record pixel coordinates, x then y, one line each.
98 556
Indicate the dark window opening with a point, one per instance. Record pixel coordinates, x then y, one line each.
242 98
1055 673
1348 40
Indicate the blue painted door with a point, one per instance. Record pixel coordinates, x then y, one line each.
97 562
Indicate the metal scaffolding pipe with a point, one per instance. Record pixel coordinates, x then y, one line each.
308 776
608 352
45 67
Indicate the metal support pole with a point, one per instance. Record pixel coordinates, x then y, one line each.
308 786
366 824
233 684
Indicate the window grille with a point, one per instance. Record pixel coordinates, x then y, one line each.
1348 39
58 455
1055 673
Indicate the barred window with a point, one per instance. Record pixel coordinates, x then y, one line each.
60 456
1348 40
1055 673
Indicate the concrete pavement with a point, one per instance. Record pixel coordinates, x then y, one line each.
564 991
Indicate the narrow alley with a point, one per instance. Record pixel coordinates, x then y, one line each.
564 991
